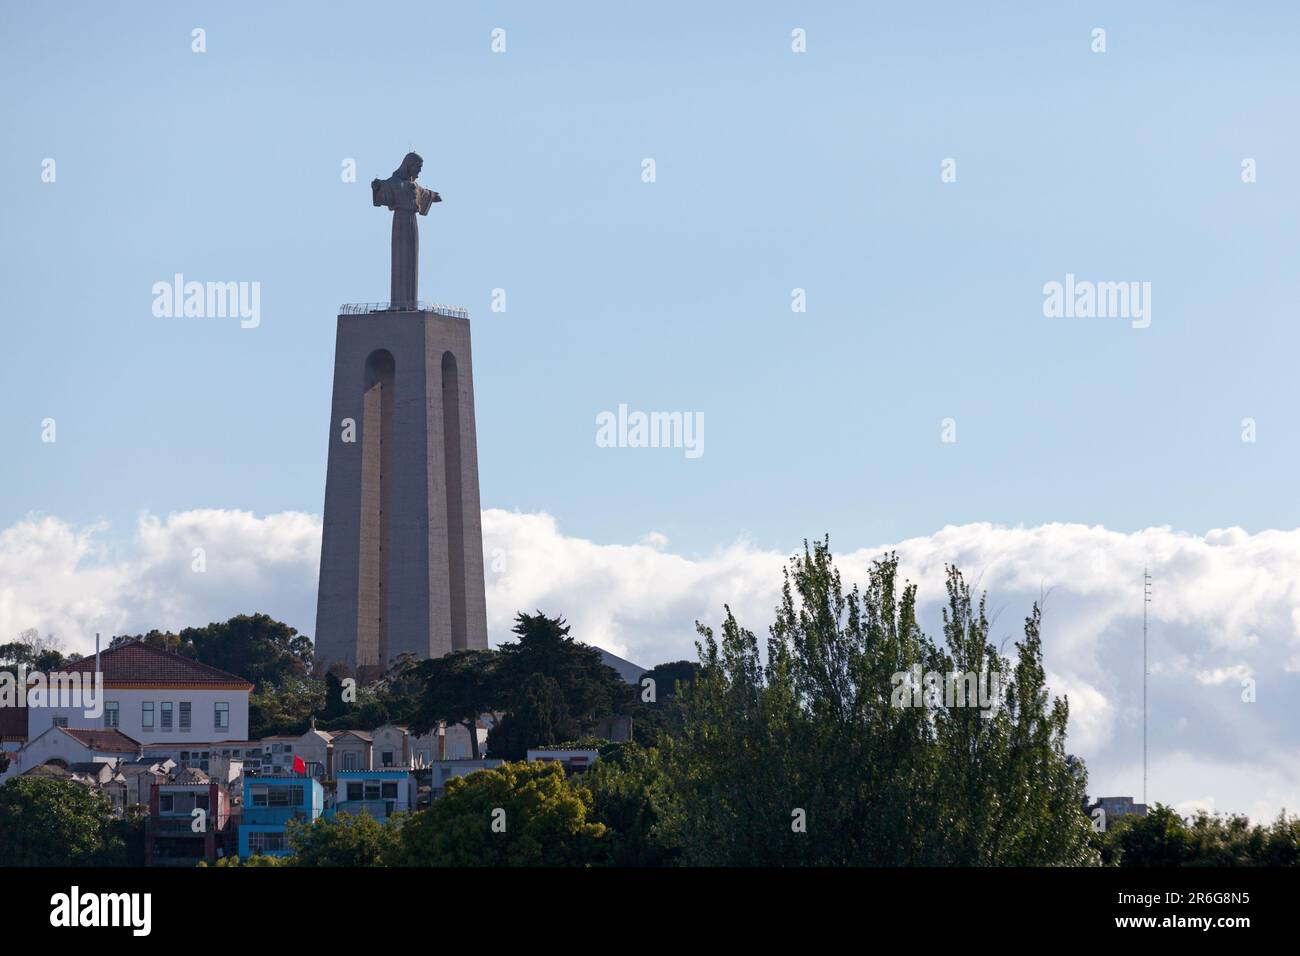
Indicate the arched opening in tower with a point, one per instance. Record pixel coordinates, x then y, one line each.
377 446
451 426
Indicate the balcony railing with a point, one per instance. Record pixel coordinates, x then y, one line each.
181 825
379 809
273 816
368 308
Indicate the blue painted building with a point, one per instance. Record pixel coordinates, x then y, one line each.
270 802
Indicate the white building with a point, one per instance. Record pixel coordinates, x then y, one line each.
443 771
456 744
155 697
314 749
574 760
352 750
278 753
140 776
391 747
425 750
64 747
250 753
379 793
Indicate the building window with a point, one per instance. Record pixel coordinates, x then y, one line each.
349 761
146 715
182 802
386 758
60 722
110 713
274 796
355 790
165 713
221 716
266 842
390 790
185 715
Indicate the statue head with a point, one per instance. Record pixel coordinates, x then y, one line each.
410 168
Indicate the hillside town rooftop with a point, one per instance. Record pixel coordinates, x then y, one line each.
137 664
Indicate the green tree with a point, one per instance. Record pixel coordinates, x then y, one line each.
35 652
1282 843
346 839
538 716
555 687
1161 838
668 677
285 708
457 689
46 822
257 647
335 706
289 706
162 640
17 652
257 859
130 829
517 814
815 753
652 719
628 792
402 688
1225 840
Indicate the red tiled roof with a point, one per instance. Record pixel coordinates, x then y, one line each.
113 741
138 663
13 723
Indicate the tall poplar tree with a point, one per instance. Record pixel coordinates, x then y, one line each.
804 755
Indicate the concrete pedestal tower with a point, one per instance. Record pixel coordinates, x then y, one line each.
402 548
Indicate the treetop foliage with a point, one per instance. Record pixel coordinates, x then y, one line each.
257 647
802 756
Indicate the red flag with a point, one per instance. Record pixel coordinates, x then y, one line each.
299 766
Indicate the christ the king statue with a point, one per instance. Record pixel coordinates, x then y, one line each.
405 197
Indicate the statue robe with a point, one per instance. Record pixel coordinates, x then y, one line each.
405 198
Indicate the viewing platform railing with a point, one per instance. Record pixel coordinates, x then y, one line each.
367 308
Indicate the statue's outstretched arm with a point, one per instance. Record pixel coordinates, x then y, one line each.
424 199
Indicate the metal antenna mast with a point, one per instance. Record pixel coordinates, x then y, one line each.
1146 599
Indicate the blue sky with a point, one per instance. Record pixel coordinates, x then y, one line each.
774 171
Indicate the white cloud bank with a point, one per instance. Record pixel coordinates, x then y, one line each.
1226 609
